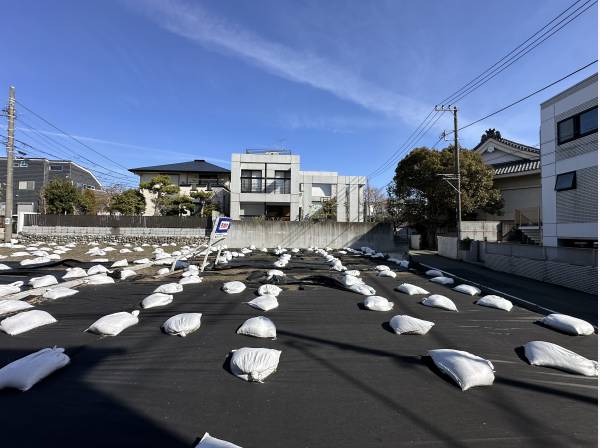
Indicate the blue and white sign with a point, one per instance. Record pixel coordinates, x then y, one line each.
222 227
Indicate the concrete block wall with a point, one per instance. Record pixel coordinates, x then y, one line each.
115 231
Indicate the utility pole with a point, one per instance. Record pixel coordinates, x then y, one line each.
456 176
10 147
367 209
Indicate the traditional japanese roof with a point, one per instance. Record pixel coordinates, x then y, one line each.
511 143
519 167
194 166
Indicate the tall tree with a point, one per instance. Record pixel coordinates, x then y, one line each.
178 205
129 202
427 202
377 200
61 197
87 202
162 187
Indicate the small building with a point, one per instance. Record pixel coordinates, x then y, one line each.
32 174
195 175
517 176
270 184
569 152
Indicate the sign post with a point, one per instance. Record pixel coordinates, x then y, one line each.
219 233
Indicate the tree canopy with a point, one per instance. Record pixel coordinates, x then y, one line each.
129 202
61 197
162 187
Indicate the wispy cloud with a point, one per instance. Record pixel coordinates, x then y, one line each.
337 124
204 28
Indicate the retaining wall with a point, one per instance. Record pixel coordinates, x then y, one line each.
306 234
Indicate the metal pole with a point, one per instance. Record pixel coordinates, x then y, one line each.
10 146
457 169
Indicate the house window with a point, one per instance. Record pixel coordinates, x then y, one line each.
20 164
577 126
282 181
55 167
252 181
26 185
566 181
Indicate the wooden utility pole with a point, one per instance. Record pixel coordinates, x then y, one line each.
10 148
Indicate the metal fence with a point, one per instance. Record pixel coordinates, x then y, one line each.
160 222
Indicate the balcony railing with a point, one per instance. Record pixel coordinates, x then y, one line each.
276 185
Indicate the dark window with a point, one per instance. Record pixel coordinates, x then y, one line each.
55 167
20 164
566 181
252 181
577 126
281 183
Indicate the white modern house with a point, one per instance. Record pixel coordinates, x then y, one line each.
270 184
569 159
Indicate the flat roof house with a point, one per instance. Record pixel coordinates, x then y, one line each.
32 174
190 176
270 184
569 155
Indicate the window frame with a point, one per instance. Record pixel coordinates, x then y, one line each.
55 165
572 186
27 182
576 127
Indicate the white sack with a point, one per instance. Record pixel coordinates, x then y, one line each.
353 272
11 288
26 372
38 260
11 306
493 301
120 263
349 280
156 299
99 279
25 321
190 280
442 280
126 273
410 289
272 290
568 324
74 273
264 303
163 271
439 301
466 369
234 287
43 281
169 288
113 324
182 324
97 269
388 273
4 267
100 260
546 354
403 324
254 364
59 293
378 303
209 441
467 289
259 327
382 267
142 261
434 273
362 289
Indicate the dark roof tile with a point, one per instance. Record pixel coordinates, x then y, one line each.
516 167
194 166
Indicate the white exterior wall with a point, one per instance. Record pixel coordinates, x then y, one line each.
569 214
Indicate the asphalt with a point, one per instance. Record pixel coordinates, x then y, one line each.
552 297
344 378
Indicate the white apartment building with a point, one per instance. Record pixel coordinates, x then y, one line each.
270 184
569 159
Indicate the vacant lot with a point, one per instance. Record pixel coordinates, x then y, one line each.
344 378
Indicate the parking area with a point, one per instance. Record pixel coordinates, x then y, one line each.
344 378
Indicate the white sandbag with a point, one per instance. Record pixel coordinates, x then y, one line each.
54 257
388 273
353 272
120 263
546 354
439 301
378 303
362 289
74 273
568 324
4 267
156 299
467 289
99 279
264 302
25 321
254 364
190 280
410 289
434 273
209 441
169 288
20 254
259 327
43 281
99 260
138 249
382 267
59 292
38 260
163 271
182 324
142 261
26 372
466 369
493 301
10 306
442 280
11 288
126 273
113 324
403 324
97 269
124 251
349 280
234 287
272 290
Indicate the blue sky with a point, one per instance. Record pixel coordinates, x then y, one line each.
341 83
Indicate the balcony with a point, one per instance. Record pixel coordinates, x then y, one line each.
271 185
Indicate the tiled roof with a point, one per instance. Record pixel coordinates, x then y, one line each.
521 166
194 166
510 143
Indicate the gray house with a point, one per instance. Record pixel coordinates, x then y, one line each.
31 175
